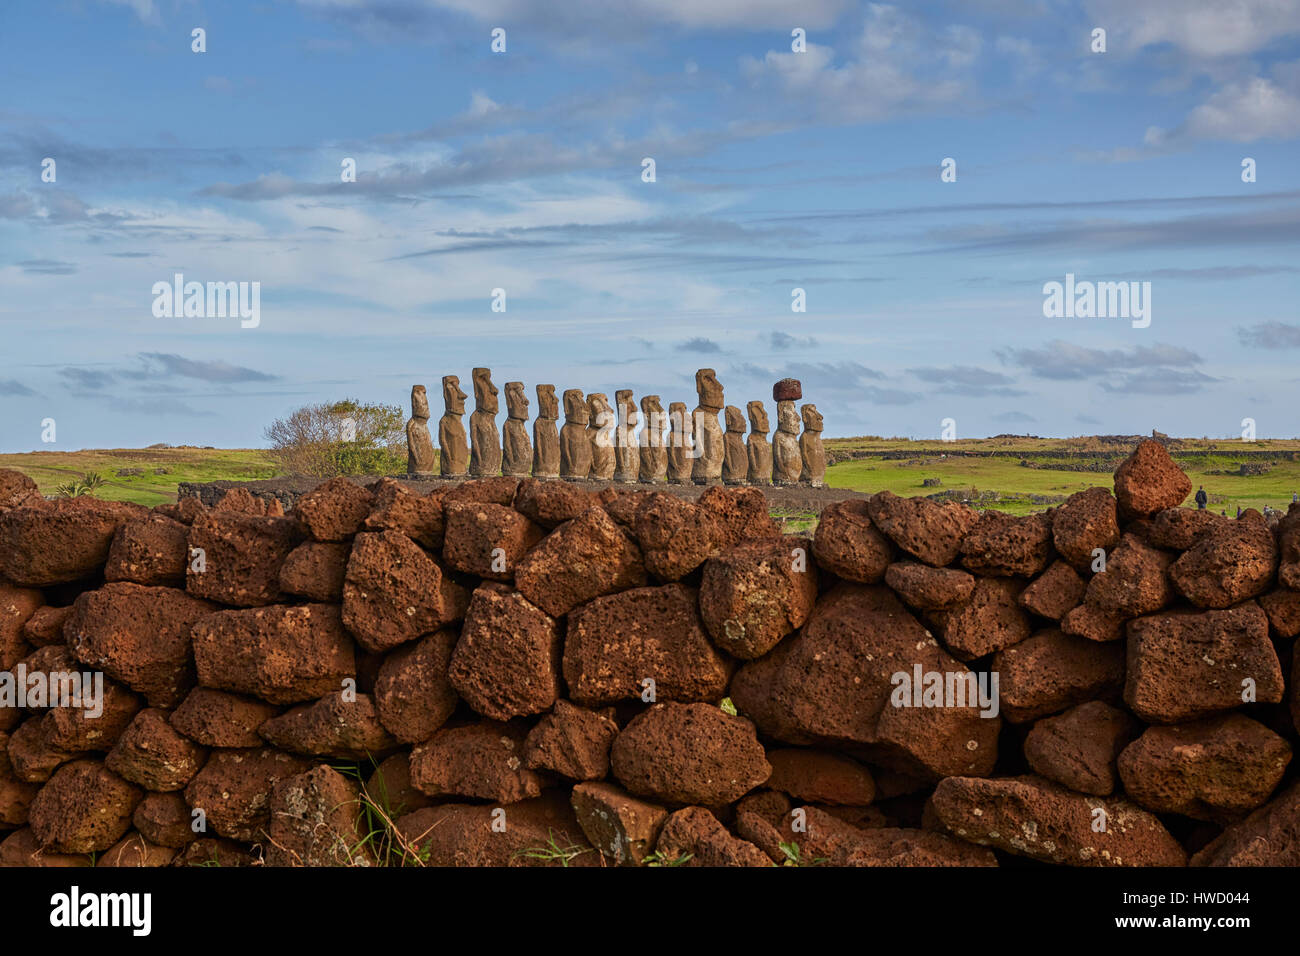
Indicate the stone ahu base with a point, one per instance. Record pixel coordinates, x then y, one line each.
527 673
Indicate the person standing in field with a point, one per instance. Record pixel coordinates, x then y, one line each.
1202 499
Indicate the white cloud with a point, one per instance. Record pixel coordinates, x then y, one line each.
1204 28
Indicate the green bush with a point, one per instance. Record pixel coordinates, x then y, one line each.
340 438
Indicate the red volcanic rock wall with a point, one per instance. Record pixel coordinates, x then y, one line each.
518 672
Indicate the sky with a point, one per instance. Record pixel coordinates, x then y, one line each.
774 170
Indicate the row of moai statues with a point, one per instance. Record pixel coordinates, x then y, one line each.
601 442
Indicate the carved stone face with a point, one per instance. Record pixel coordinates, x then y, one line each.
547 406
452 396
787 418
575 407
655 419
735 420
679 420
626 407
485 393
812 419
757 418
598 409
419 402
707 387
516 401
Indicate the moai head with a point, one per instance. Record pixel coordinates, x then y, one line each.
710 392
757 418
626 407
452 396
547 406
735 420
787 418
419 402
654 413
575 407
516 401
679 420
598 410
812 419
485 393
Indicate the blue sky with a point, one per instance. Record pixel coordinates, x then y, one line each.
774 170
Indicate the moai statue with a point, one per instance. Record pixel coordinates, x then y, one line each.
653 454
516 450
484 439
735 464
627 456
707 468
787 463
601 423
812 454
419 443
758 447
546 438
575 446
681 445
453 450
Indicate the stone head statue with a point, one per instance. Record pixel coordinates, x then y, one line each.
812 419
650 406
547 406
626 407
419 402
735 419
452 396
710 392
485 393
678 416
787 418
598 406
757 418
516 401
575 407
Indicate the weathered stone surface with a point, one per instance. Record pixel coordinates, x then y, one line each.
1051 671
215 718
17 490
585 558
139 636
787 390
390 787
927 588
695 833
1178 529
896 846
234 789
149 550
675 536
848 544
486 540
1148 481
614 643
394 592
653 467
1183 665
816 776
1085 521
1217 769
1077 749
335 510
516 449
989 620
282 654
32 754
812 454
549 503
1232 562
1036 818
707 466
507 661
758 450
214 851
484 439
315 570
15 794
457 834
620 826
453 447
412 691
17 606
1281 606
1268 837
689 753
575 445
787 460
84 808
1288 548
43 628
928 531
341 725
153 755
735 461
546 439
737 514
243 502
417 516
316 821
1054 593
133 850
572 741
601 426
421 459
21 848
1004 546
51 542
483 761
757 592
1135 582
681 444
236 559
164 820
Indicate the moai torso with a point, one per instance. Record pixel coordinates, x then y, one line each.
420 456
757 447
484 439
812 454
546 435
453 449
787 462
681 446
654 456
601 424
627 455
735 463
575 446
516 449
707 466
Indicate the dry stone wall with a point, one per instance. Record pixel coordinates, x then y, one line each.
525 672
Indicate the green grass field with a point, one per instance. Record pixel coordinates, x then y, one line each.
991 481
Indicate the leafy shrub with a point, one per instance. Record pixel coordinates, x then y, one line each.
340 438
